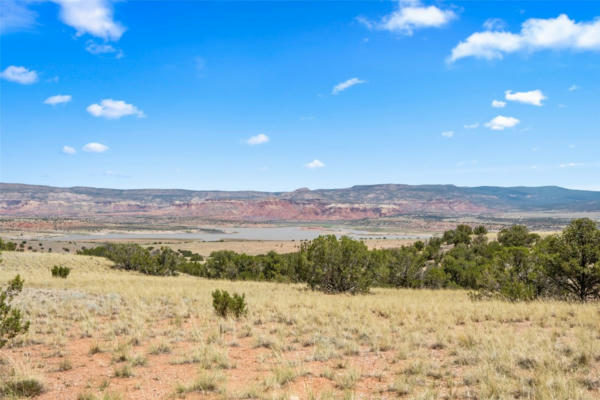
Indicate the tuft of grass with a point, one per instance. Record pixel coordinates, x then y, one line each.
65 365
205 383
160 348
348 380
86 396
29 387
95 349
123 371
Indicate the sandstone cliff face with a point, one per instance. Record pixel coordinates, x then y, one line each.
358 202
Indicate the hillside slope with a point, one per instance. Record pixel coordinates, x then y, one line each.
357 202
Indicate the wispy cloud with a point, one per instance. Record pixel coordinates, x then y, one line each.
536 34
258 139
472 126
340 87
314 164
58 99
573 88
571 165
95 147
68 150
533 97
19 74
494 24
498 104
102 48
501 122
448 134
15 16
114 109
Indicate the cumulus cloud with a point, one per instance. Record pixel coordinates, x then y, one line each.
340 87
536 34
68 150
94 17
114 109
258 139
498 104
448 134
533 97
314 164
58 99
20 75
94 147
472 126
501 122
410 16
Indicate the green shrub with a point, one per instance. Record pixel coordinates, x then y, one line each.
11 320
225 304
58 271
338 266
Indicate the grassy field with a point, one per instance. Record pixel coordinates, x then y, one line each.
110 334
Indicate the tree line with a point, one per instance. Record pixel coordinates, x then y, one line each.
518 265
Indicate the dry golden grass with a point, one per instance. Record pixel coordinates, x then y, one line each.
102 333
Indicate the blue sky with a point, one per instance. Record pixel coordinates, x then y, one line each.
277 95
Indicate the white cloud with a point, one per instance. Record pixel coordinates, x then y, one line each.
533 97
258 139
15 16
94 147
494 24
94 17
95 48
498 104
411 15
58 99
68 150
535 35
20 75
448 134
340 87
571 165
573 88
472 126
114 109
501 122
315 164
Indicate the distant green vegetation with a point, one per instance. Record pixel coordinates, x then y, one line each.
518 266
59 271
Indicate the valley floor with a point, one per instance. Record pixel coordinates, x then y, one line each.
103 333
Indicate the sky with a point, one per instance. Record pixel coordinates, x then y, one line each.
278 95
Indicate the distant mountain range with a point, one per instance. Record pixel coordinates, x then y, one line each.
357 202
